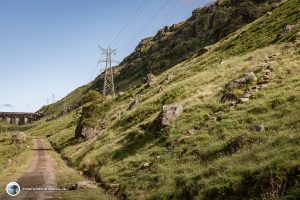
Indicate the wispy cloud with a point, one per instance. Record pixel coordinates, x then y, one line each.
6 105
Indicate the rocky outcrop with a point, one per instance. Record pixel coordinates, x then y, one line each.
245 78
169 114
249 83
18 138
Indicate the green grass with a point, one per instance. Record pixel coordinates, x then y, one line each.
223 159
14 159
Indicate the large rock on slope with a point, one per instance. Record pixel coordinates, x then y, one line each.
169 114
86 133
18 138
245 78
151 79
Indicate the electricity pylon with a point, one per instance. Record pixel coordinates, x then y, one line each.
108 86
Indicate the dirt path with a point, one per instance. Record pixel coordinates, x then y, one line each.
40 174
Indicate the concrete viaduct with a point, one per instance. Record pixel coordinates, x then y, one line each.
19 117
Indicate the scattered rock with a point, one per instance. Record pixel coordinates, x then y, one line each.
168 78
248 76
18 138
157 157
236 145
151 79
269 13
191 132
247 95
245 78
258 128
243 100
134 104
146 165
227 97
121 93
114 185
84 185
203 50
169 114
286 30
160 89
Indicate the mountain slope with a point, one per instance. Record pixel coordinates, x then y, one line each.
224 145
174 44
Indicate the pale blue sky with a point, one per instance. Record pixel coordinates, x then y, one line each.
50 46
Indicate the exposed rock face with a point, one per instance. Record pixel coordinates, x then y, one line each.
169 114
18 138
85 132
245 78
84 185
151 79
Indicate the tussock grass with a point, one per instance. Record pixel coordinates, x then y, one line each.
222 159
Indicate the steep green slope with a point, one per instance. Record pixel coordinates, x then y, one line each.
214 150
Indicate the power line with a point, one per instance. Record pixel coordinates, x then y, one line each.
186 3
93 72
124 29
130 21
146 26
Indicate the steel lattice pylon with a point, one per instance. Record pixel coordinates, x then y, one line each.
108 86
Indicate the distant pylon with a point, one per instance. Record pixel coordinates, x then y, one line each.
108 86
53 98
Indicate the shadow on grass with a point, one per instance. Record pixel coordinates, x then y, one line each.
134 142
35 149
72 141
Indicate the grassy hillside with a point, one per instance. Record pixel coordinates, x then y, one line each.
214 150
67 104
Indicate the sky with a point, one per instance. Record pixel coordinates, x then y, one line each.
50 46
